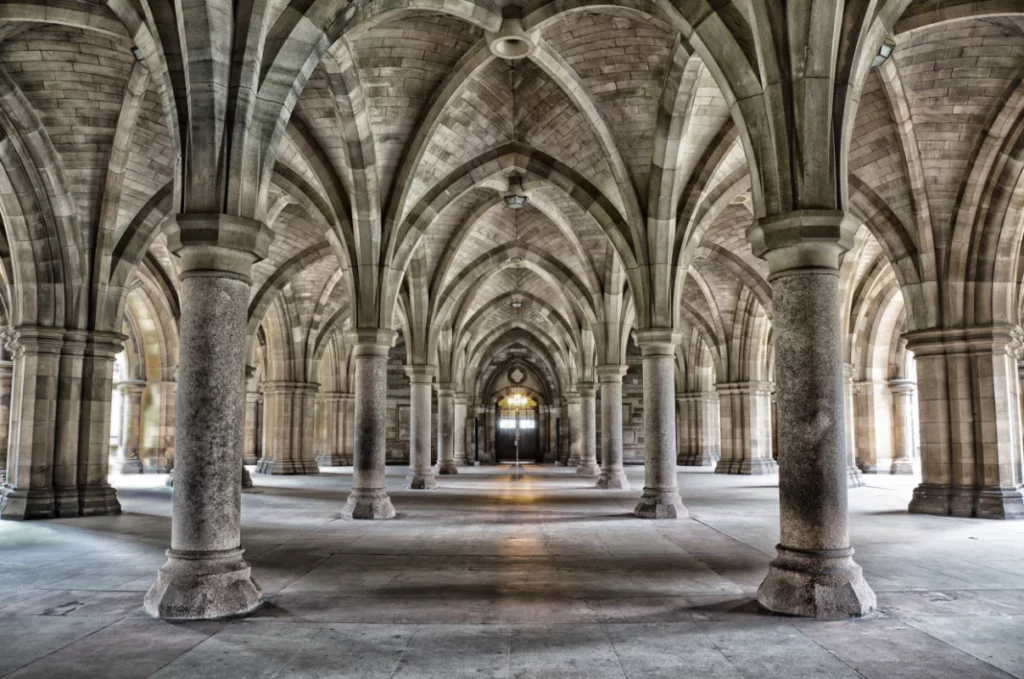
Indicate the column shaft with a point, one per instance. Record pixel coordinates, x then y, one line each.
331 445
459 444
813 573
6 374
854 476
661 490
612 473
588 432
746 412
902 426
131 420
970 423
446 430
205 575
421 476
575 428
369 498
289 426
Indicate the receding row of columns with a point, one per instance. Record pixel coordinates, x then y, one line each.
61 387
732 428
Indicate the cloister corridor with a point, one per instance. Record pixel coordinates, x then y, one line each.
488 576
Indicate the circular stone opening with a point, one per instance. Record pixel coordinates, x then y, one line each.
511 47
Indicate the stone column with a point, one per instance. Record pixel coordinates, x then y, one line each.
902 426
446 430
746 426
59 424
575 427
970 422
854 476
289 426
28 490
369 498
253 428
95 495
131 418
348 441
700 438
332 452
588 431
459 443
813 573
6 373
421 476
205 575
612 473
168 426
873 420
661 490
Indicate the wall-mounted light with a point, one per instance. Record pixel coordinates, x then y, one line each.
516 303
884 52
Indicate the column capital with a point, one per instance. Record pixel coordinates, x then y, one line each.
218 244
572 397
1002 338
34 339
461 398
748 387
802 241
611 373
445 389
902 386
421 374
132 387
657 341
284 387
586 390
371 342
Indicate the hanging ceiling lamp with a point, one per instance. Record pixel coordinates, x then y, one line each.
515 197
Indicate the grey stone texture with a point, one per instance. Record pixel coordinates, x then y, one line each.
421 474
660 499
612 473
369 499
588 431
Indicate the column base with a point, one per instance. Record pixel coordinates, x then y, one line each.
699 459
98 500
130 466
246 478
588 469
747 467
816 584
614 480
250 460
463 461
854 478
66 502
979 503
902 466
203 586
368 505
269 465
447 468
661 504
573 461
21 505
420 481
332 460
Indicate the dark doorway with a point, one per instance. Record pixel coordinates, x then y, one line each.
517 419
